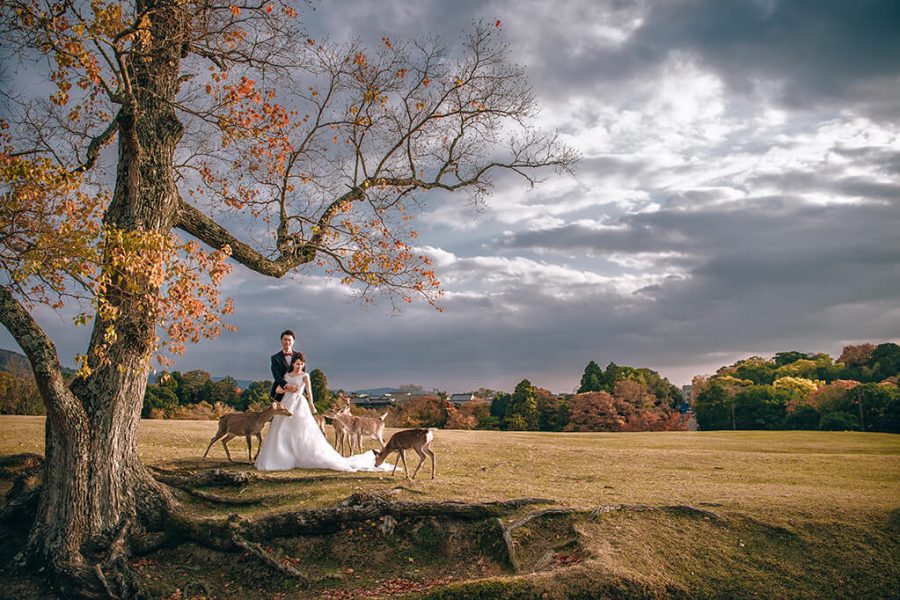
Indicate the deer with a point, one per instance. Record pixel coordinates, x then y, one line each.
339 418
320 421
365 427
247 424
416 439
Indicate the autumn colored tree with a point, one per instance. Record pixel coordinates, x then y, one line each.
553 411
594 411
421 411
856 355
167 123
832 396
754 369
633 393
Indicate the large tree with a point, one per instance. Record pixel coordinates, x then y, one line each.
180 133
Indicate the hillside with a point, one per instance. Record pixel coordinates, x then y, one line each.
15 363
627 515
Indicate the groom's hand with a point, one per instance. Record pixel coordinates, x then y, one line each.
291 387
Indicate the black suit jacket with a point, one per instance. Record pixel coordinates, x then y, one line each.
279 370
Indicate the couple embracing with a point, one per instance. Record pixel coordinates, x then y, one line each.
296 442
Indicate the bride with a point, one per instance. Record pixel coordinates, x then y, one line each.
296 442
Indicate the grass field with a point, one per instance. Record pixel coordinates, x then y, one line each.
800 514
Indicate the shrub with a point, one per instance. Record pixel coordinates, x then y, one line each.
839 421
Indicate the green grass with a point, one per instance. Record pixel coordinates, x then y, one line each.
813 514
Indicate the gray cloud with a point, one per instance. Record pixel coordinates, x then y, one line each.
731 202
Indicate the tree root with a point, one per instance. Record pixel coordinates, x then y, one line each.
258 551
227 500
186 485
15 465
21 500
226 478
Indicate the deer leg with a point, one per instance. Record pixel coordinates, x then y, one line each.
213 441
259 445
396 462
430 453
249 447
405 469
421 460
225 441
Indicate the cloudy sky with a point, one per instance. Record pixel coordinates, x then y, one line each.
739 194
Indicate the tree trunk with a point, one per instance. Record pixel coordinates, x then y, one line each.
95 489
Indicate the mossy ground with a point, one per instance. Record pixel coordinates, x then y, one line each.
799 514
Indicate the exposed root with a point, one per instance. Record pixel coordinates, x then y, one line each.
103 582
215 477
227 500
232 478
363 507
220 535
510 542
15 465
258 551
22 500
403 488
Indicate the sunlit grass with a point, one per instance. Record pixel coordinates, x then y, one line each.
796 514
772 475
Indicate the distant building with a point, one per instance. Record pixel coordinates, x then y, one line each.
458 399
375 401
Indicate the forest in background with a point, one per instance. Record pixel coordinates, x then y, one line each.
791 390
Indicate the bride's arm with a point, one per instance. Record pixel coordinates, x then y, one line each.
309 394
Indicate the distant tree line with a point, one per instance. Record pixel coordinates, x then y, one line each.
619 398
795 390
195 395
792 390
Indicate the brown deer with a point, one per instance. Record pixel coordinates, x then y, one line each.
247 424
320 421
338 418
417 439
365 427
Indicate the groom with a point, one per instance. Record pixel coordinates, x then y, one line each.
281 365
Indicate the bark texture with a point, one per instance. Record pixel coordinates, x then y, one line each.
95 490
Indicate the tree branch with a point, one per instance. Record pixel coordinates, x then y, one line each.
93 151
199 225
41 354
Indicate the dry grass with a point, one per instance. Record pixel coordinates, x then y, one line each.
803 514
769 475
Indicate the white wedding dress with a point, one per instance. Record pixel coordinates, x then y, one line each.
296 442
